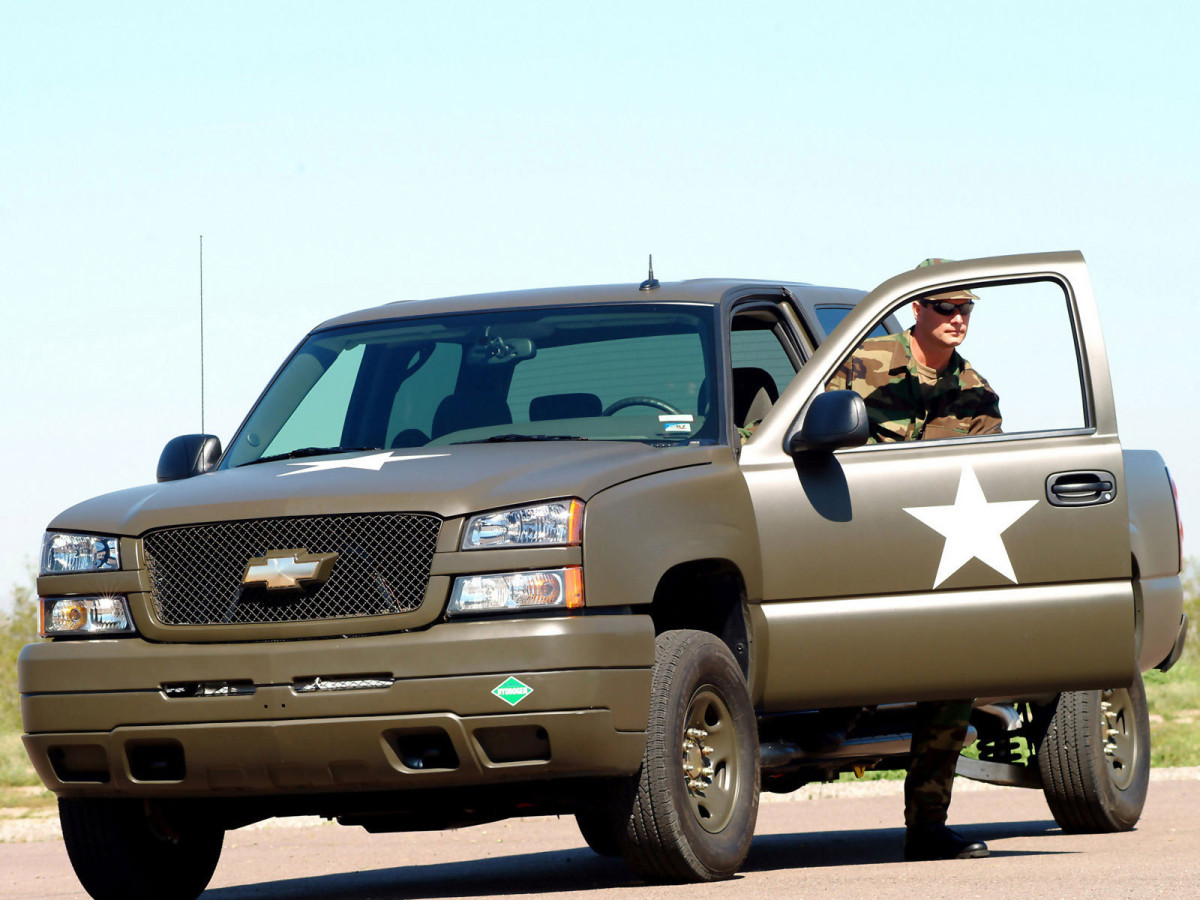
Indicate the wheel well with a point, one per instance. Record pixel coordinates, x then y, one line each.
705 595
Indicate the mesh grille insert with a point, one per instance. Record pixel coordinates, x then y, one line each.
382 568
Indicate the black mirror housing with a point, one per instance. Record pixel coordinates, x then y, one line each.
188 455
834 419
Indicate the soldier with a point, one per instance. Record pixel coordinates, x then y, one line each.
917 387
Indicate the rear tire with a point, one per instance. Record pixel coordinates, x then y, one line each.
691 812
1095 759
120 853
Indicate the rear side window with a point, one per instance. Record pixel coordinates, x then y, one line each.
831 317
761 349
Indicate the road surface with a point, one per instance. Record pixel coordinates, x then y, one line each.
844 847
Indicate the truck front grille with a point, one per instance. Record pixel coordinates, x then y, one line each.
382 568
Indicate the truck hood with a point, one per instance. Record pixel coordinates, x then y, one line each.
448 481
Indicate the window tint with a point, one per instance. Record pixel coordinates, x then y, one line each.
419 394
476 376
761 349
831 317
321 415
667 367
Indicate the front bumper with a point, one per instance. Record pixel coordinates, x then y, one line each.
99 723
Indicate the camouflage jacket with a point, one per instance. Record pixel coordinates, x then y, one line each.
883 372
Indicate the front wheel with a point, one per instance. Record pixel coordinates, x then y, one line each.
599 830
121 850
1095 759
690 816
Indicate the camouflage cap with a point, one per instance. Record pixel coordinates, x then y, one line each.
953 296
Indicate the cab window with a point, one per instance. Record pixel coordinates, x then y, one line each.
764 360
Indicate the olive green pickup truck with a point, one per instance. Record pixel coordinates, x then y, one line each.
509 554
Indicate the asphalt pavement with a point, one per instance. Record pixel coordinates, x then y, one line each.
808 845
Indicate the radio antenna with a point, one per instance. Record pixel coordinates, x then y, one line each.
651 282
202 334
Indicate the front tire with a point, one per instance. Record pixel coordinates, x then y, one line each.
119 852
1095 759
691 814
599 830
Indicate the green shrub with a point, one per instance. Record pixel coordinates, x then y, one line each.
18 627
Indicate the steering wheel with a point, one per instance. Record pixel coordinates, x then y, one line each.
639 401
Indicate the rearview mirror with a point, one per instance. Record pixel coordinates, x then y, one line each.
834 419
188 455
499 351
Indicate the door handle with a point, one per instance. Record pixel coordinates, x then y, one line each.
1082 488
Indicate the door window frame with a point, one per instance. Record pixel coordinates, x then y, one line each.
1086 394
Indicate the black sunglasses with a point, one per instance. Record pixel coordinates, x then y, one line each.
946 308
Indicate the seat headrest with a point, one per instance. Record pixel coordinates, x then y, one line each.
748 381
564 406
461 411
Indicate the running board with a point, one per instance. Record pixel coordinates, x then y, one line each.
1006 774
777 754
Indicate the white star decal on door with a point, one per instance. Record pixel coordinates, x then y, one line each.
372 461
972 528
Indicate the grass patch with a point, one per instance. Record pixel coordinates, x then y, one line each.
1174 701
17 628
27 800
15 770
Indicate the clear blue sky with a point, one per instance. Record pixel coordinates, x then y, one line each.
338 155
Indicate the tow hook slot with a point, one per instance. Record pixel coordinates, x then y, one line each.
156 762
423 749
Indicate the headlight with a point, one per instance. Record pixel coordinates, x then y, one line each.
545 589
544 524
84 616
63 552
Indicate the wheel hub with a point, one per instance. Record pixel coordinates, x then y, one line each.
1120 737
708 760
697 760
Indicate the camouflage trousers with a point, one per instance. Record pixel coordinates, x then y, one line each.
938 735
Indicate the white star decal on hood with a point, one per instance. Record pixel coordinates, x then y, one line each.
371 461
972 528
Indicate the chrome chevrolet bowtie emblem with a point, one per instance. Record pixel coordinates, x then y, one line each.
286 570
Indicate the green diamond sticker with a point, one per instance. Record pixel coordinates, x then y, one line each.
512 690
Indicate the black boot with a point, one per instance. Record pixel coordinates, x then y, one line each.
922 842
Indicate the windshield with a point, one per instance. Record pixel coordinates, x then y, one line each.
615 373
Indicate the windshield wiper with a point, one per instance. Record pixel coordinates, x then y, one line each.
513 438
306 451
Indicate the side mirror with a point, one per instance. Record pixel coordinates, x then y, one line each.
188 455
834 419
